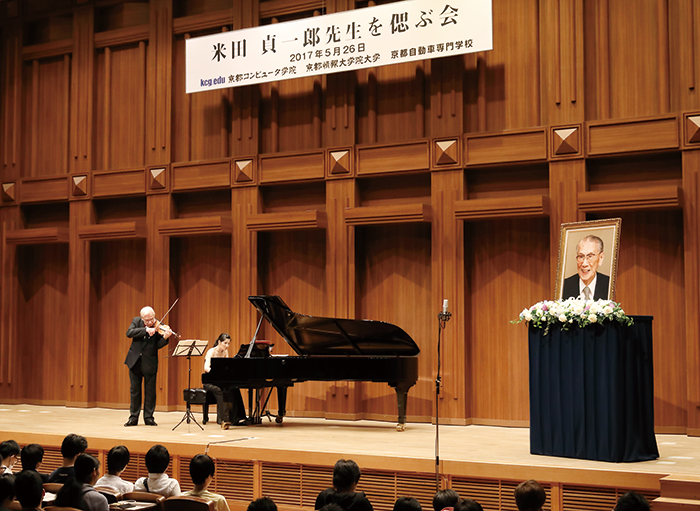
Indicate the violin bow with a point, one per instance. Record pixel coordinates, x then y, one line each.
171 308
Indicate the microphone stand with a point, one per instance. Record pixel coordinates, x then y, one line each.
443 317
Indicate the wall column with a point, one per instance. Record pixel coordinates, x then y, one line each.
448 278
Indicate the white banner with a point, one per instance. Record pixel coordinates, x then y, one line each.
369 37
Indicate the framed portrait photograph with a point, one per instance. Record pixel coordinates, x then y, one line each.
588 253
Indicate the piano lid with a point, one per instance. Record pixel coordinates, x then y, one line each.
309 335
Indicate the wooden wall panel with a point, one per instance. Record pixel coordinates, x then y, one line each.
650 282
508 269
637 69
627 58
45 117
512 67
562 61
292 265
11 114
207 115
684 62
120 76
200 268
691 226
42 309
117 280
394 284
298 115
388 102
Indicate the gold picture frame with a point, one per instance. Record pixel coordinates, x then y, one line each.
584 265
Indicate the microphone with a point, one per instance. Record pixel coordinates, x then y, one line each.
444 315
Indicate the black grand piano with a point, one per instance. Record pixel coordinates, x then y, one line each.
328 349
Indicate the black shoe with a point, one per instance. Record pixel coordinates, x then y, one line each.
131 422
150 422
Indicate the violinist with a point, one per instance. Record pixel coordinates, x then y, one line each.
147 337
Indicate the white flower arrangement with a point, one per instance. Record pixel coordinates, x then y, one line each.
573 312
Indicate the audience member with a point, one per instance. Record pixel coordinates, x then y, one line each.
262 504
7 491
117 459
467 505
632 501
9 454
202 473
157 461
29 490
407 504
78 490
530 496
32 455
71 447
445 498
346 474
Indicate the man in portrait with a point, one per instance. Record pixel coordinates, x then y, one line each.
588 283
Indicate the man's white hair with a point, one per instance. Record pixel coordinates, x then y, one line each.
148 310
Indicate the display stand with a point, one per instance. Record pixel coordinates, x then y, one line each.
189 348
592 392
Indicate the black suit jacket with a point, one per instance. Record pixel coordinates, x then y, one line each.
571 287
143 347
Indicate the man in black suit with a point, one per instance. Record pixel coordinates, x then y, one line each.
142 360
588 283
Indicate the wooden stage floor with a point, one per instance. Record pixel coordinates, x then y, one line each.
465 451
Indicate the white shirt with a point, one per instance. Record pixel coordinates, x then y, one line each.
160 484
591 286
115 482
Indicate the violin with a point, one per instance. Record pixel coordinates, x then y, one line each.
162 329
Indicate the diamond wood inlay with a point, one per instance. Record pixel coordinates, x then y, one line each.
694 129
157 181
340 162
566 141
244 171
9 191
446 152
79 188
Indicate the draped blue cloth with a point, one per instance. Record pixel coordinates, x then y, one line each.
592 392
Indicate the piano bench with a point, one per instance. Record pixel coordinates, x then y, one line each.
195 396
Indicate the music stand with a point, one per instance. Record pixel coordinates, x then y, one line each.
189 348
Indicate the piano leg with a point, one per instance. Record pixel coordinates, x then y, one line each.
401 401
281 404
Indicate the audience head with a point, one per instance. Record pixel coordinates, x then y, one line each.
7 490
445 498
407 504
632 501
117 459
87 468
32 455
29 489
73 445
201 467
262 504
157 459
9 452
346 474
530 496
467 505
